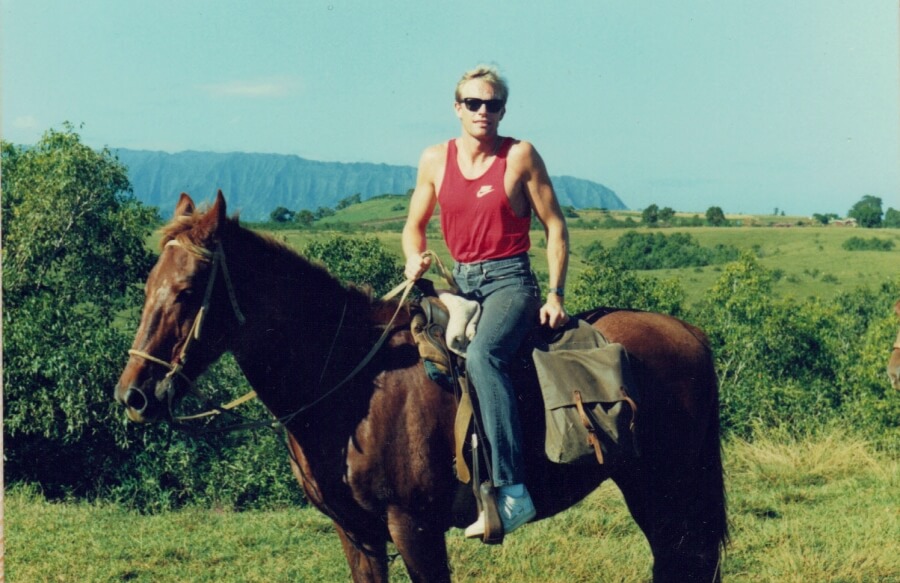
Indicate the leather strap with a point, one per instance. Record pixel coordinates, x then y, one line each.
460 428
592 438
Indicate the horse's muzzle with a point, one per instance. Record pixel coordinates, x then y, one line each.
135 402
143 405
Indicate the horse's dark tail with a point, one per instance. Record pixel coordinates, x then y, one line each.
714 479
711 512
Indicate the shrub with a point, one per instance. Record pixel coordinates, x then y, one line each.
658 251
359 260
608 283
871 244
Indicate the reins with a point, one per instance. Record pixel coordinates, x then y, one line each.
405 287
217 257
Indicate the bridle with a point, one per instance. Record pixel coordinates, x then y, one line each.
166 387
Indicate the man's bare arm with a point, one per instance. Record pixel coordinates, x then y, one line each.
539 190
421 207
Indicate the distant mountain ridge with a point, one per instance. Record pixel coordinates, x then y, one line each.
257 184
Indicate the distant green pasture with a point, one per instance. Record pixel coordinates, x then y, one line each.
808 261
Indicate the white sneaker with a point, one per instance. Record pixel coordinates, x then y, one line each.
514 512
476 529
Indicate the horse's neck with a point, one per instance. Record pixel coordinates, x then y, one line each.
304 331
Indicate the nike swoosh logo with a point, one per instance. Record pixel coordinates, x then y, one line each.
484 190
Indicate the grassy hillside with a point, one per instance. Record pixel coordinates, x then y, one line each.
807 260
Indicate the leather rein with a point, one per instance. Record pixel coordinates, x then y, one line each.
217 257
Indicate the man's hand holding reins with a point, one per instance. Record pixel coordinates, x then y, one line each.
416 265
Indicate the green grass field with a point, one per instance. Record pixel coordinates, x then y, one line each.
809 260
819 509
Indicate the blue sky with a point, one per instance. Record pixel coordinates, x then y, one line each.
750 106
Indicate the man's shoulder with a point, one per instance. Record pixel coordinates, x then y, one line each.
434 154
522 154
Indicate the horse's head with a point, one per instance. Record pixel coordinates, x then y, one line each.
893 368
177 339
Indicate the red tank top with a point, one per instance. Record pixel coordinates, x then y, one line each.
477 220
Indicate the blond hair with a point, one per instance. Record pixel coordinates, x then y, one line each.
488 74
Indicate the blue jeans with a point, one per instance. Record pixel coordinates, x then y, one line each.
510 302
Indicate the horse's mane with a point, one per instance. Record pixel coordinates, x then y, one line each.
284 257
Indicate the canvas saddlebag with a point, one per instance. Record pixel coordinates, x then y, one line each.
589 397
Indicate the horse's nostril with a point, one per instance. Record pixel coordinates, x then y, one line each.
136 400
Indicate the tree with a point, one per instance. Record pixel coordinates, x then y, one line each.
867 212
282 215
715 216
824 219
891 218
568 211
304 218
650 215
322 212
349 201
72 227
666 214
73 248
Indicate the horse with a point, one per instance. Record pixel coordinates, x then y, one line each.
893 367
371 435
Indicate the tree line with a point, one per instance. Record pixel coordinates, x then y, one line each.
75 258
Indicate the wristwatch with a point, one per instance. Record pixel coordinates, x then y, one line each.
558 291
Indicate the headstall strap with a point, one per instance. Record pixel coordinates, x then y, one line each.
218 258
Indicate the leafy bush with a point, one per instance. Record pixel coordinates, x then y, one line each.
657 251
608 283
359 260
798 363
73 244
871 244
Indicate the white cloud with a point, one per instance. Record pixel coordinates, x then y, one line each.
260 88
25 122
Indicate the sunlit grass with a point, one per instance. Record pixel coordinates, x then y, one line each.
822 508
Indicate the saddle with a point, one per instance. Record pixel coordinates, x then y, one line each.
581 375
590 398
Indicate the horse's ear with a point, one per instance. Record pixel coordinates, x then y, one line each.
219 207
185 206
214 218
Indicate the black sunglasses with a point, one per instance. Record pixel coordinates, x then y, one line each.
474 104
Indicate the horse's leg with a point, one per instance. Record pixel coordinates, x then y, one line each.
422 545
367 560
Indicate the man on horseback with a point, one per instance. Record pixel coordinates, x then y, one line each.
487 186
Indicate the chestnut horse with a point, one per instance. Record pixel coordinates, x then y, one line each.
893 367
371 438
